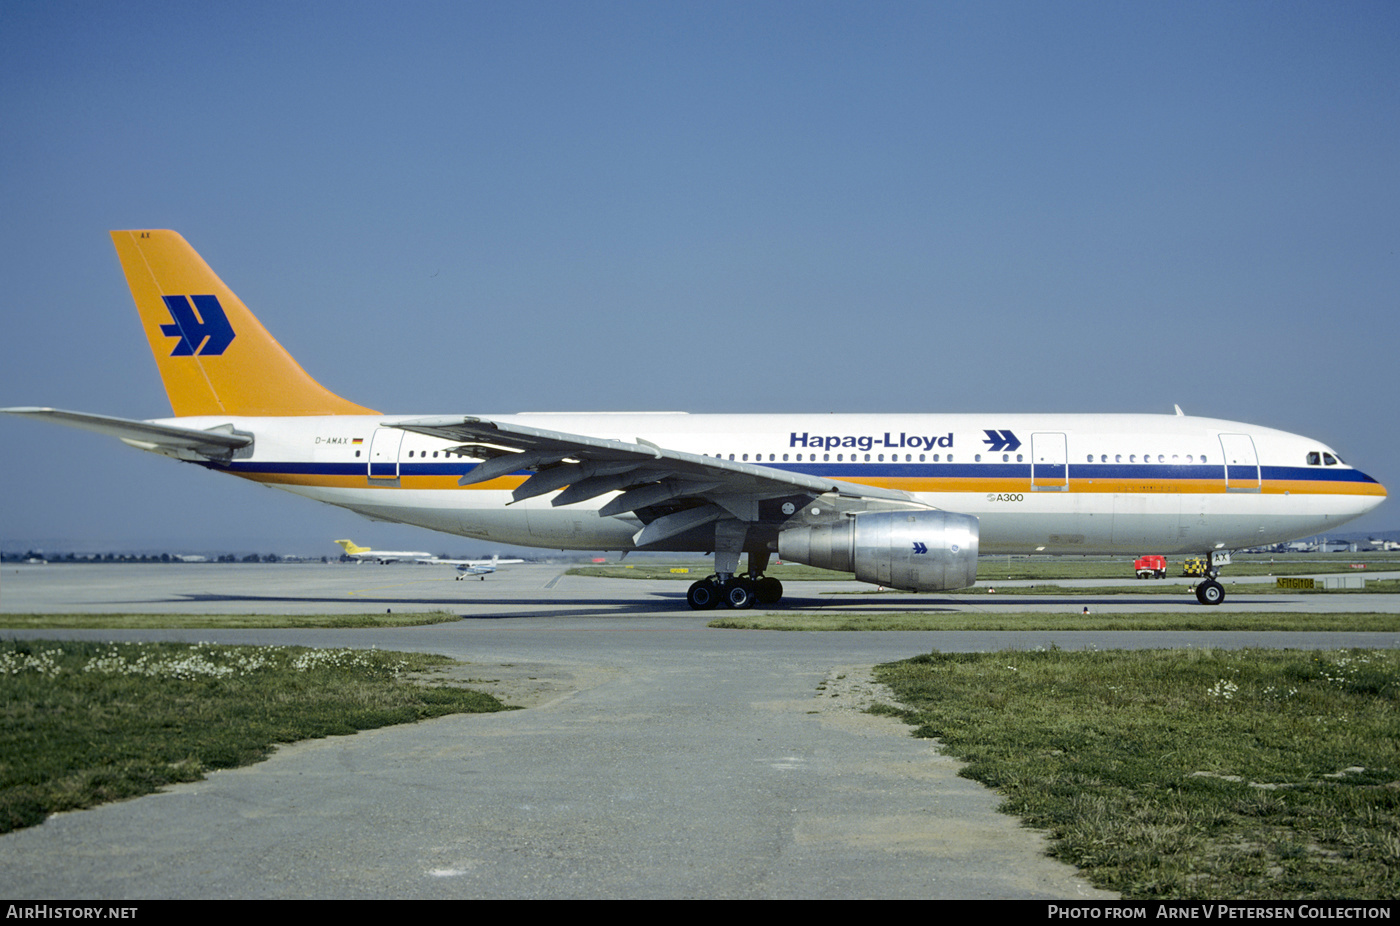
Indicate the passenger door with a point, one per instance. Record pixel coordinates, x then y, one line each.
1049 462
1241 463
384 455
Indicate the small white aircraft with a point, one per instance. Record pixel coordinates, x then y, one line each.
902 501
481 568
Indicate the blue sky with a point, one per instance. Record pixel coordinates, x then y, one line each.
723 207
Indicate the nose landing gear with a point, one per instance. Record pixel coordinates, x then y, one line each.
1208 590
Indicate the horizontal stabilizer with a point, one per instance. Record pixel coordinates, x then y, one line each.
171 440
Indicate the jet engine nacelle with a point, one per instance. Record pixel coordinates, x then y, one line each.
922 551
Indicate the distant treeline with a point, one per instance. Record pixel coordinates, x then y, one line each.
177 558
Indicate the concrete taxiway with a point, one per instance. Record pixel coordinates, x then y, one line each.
658 758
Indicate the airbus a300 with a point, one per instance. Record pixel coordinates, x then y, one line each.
904 501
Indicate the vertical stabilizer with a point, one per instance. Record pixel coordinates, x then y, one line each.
214 356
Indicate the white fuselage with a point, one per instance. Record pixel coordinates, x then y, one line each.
1037 483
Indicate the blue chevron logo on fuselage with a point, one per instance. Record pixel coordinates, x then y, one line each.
997 441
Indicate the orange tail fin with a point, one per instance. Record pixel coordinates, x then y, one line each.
214 356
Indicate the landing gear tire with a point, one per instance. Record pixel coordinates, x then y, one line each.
739 594
768 590
1210 592
703 595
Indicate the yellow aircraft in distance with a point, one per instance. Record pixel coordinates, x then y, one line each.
357 552
465 567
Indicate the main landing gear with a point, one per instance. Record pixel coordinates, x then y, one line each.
727 587
737 592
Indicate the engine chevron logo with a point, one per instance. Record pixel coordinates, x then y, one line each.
1001 440
920 547
202 328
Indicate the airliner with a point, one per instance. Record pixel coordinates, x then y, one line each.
465 567
904 501
357 552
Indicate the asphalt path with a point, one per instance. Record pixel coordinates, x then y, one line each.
655 758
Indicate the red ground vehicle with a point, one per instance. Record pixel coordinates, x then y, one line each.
1151 567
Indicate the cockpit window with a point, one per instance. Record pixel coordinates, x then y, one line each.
1329 460
1314 458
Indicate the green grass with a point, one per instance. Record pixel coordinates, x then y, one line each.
217 621
84 723
1372 587
993 568
1181 774
1192 618
1048 588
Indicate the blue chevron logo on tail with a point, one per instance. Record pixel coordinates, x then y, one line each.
202 328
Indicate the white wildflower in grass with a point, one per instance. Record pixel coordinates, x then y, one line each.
340 659
202 660
191 664
1223 689
44 662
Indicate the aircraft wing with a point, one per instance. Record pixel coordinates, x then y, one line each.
670 491
171 440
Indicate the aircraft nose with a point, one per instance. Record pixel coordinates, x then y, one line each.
1375 492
